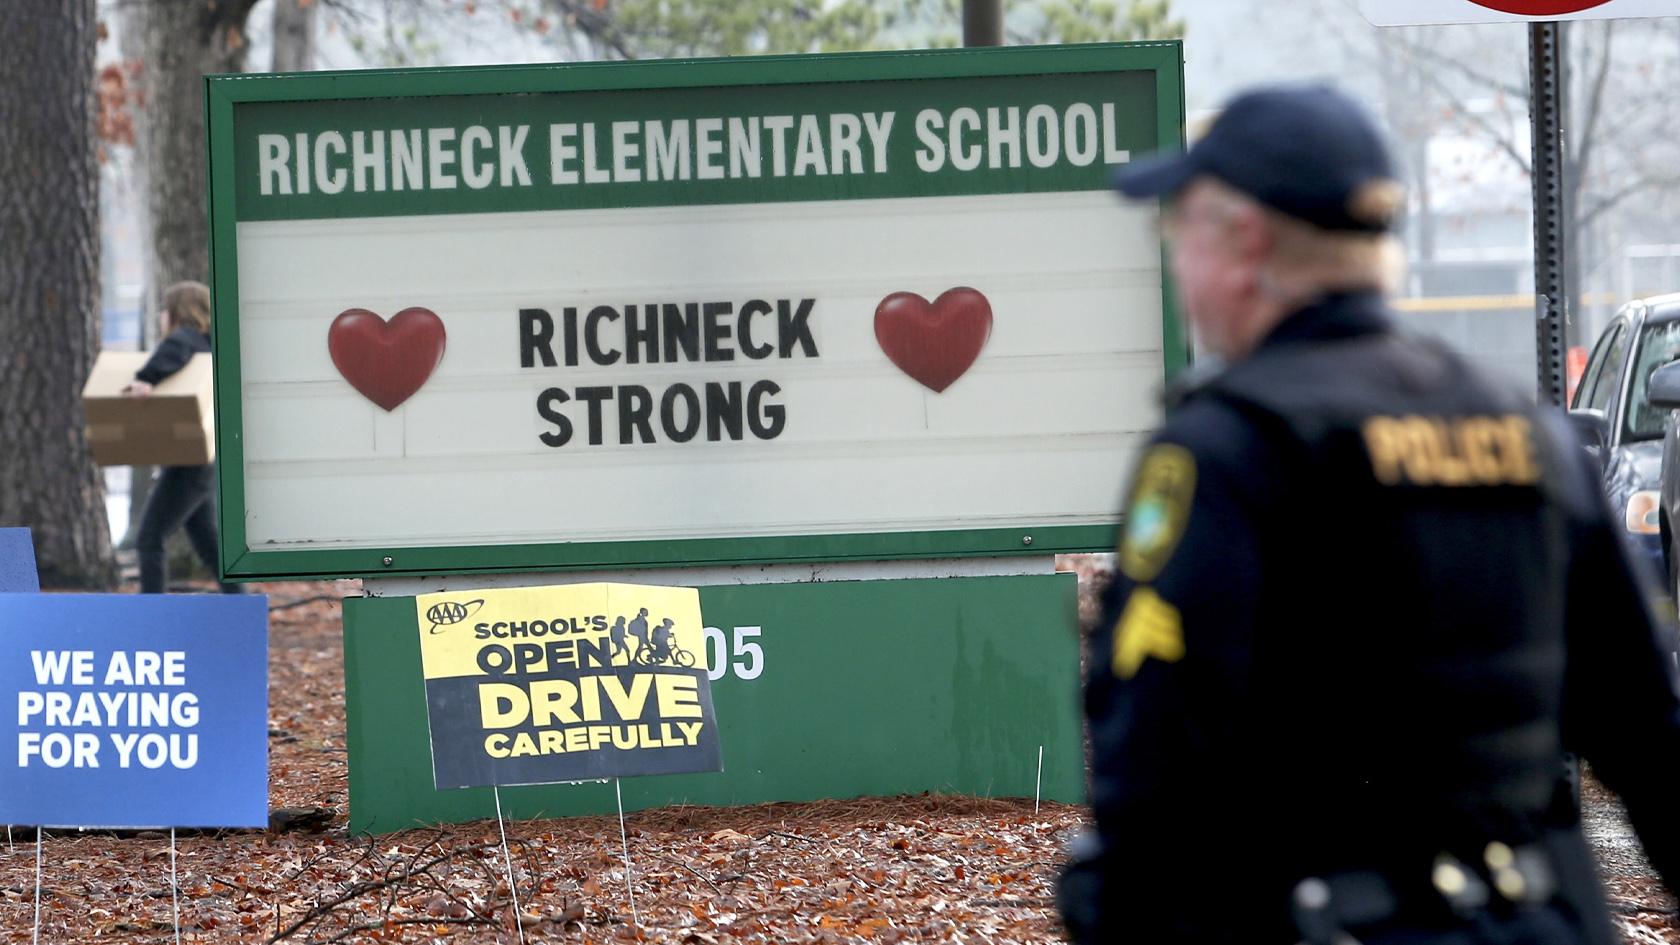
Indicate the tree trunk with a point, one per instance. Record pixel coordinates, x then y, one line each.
294 35
182 43
49 288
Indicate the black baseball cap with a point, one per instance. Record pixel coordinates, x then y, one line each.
1307 151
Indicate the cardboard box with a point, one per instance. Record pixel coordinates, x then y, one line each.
175 426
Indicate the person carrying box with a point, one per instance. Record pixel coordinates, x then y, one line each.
181 496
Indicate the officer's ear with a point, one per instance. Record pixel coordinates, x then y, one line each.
1249 233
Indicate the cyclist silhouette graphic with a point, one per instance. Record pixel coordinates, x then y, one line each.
639 629
616 634
662 642
664 650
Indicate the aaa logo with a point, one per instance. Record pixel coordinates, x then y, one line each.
450 612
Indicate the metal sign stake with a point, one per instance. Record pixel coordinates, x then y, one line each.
174 888
1038 780
36 938
518 920
624 836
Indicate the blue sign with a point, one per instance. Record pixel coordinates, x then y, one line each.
17 562
145 710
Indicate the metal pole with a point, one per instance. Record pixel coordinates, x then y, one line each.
513 889
174 889
35 939
982 22
624 837
1038 779
1552 294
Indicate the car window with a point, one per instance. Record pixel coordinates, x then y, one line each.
1595 366
1603 382
1658 344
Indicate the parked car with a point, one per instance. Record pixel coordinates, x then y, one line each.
1665 397
1618 422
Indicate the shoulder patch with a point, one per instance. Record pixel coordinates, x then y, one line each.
1148 627
1158 510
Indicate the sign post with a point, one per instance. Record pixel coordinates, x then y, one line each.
982 22
1554 296
766 327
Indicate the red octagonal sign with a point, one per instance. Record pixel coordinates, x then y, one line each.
1434 12
1540 7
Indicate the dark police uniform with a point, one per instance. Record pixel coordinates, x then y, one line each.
1365 601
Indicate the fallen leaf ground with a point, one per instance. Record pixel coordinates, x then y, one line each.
908 869
1641 906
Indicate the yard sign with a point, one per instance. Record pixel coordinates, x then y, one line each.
538 685
17 562
127 710
617 315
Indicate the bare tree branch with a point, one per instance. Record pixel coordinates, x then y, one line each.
1589 133
1502 140
396 873
1609 202
596 24
350 10
698 875
1457 65
358 929
1454 102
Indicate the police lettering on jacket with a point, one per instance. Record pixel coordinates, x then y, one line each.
1452 451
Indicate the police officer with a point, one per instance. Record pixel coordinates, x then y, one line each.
1365 599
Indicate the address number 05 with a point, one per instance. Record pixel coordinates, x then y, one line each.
748 656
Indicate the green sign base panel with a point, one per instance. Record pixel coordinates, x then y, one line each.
849 689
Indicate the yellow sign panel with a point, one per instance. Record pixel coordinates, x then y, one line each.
543 684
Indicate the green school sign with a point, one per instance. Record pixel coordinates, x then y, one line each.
571 317
834 689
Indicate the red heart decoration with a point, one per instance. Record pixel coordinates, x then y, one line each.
386 361
937 342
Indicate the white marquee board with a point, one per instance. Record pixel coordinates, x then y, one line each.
783 396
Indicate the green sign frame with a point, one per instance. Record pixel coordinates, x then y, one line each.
225 96
983 673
